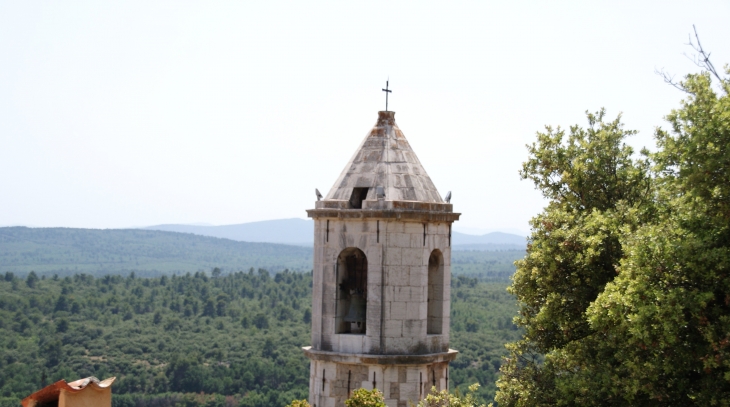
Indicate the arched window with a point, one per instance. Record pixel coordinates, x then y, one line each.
352 292
435 324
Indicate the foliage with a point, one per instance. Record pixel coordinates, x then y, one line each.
237 337
443 398
298 403
589 180
667 313
624 289
366 398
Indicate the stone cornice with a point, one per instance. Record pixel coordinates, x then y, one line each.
383 214
368 359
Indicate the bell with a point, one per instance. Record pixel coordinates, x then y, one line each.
357 309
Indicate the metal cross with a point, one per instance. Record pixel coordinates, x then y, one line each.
386 90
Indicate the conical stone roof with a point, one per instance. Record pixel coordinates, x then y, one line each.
385 159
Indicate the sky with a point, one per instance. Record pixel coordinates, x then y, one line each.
137 113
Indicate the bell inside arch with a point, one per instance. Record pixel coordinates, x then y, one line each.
356 314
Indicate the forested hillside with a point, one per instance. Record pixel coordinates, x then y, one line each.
195 339
66 251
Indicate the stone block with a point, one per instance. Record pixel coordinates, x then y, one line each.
374 291
398 276
413 227
414 328
393 227
401 294
372 307
399 240
414 374
399 345
330 251
416 240
393 256
371 343
413 310
390 374
351 343
402 374
374 256
414 257
409 391
419 293
393 328
389 293
362 241
418 276
398 310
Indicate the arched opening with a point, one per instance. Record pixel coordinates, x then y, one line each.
434 324
352 292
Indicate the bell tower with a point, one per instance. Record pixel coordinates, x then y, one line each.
381 277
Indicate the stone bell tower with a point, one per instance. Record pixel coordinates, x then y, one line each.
381 279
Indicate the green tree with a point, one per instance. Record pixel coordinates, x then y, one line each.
667 313
624 294
32 279
594 188
261 321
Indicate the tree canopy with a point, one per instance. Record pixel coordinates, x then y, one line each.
625 288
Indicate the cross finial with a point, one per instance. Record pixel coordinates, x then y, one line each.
386 90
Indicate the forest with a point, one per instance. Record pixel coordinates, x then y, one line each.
206 338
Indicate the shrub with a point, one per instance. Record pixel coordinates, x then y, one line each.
366 398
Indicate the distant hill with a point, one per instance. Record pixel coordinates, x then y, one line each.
293 231
301 232
66 251
495 241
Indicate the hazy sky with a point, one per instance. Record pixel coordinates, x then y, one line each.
119 114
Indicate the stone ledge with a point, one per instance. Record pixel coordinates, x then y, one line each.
375 204
351 358
388 214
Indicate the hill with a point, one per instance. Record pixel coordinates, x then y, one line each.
284 231
301 232
99 252
196 341
66 251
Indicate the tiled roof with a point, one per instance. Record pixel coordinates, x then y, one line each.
386 159
51 392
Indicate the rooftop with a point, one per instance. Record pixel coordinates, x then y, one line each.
385 159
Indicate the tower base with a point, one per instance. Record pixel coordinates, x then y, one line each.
401 378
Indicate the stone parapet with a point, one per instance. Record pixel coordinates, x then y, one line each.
387 214
386 204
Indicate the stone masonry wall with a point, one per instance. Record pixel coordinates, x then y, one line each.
330 382
399 252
